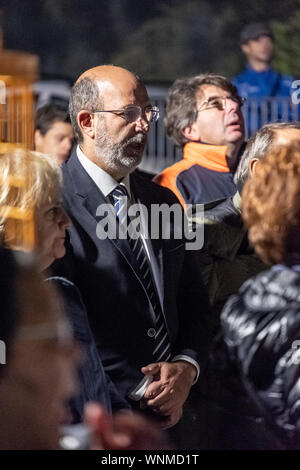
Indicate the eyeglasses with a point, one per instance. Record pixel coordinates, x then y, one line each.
132 113
219 102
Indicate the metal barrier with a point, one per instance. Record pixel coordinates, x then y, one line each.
162 152
258 112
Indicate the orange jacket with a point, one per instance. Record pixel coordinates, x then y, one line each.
211 157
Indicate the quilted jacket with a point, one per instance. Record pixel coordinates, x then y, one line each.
261 328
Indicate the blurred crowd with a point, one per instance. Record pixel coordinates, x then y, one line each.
114 327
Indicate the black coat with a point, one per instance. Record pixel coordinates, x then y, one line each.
118 307
94 384
261 326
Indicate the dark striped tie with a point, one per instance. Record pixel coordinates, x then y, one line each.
162 349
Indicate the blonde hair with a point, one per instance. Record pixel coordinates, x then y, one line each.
27 180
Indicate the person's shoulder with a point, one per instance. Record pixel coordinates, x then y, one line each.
63 284
286 80
219 209
241 77
67 169
283 76
67 164
154 190
274 290
169 176
75 179
69 292
145 174
173 170
243 307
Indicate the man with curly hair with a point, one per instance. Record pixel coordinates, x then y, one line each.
204 118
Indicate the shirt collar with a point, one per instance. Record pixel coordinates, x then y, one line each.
105 182
267 70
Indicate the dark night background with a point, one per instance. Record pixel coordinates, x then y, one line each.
159 39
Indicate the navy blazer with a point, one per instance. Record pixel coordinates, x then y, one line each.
94 384
118 307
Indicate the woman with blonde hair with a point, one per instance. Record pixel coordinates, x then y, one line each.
31 217
30 185
261 323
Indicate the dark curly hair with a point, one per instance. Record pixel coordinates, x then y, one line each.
181 109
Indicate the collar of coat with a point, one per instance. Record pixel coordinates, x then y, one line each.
209 156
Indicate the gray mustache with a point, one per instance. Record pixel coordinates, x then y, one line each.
137 139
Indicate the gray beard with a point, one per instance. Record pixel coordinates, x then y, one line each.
116 157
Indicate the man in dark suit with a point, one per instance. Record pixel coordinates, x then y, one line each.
144 297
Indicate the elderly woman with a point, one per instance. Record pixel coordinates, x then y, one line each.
261 323
37 183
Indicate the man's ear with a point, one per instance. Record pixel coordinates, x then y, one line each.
252 166
38 140
191 132
86 123
245 48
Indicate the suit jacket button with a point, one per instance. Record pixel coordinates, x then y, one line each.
151 332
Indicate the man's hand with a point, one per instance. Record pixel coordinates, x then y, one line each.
171 420
122 431
170 387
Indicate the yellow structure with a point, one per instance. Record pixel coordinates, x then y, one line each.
18 70
16 112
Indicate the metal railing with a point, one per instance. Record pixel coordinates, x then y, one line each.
258 112
162 152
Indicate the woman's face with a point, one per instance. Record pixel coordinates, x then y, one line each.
52 223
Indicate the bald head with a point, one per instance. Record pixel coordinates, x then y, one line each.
109 74
103 101
93 85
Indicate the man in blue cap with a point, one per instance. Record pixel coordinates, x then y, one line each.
259 80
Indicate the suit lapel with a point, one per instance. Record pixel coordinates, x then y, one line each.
91 201
90 198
